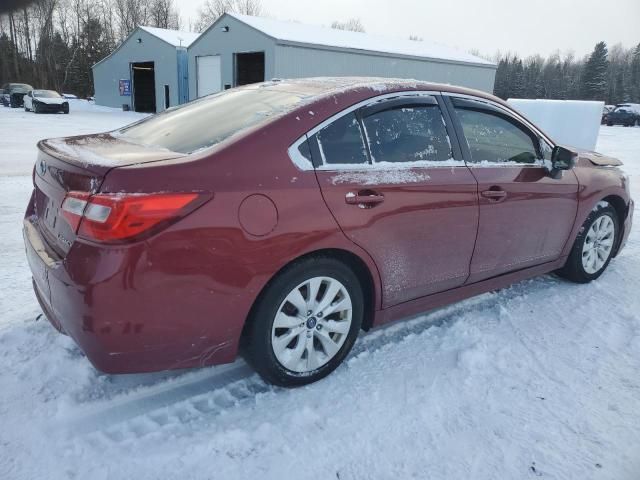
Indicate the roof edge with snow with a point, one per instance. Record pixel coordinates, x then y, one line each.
168 36
303 35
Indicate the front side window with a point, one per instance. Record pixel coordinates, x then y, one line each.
341 142
408 134
494 138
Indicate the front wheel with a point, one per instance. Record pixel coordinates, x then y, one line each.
594 245
305 322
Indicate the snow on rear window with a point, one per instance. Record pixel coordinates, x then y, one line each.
210 120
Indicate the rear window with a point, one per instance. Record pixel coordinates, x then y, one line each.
20 88
210 120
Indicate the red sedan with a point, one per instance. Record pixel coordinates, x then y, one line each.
285 217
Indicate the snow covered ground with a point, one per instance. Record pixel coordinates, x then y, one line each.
537 380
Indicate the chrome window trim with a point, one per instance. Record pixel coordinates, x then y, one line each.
297 158
303 164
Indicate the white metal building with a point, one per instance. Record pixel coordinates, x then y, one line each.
148 71
240 49
156 68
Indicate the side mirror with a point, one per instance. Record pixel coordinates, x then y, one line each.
562 159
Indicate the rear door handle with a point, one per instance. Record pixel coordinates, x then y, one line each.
364 198
495 194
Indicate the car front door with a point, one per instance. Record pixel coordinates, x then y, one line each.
526 215
393 177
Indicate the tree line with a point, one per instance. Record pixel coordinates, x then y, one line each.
54 43
609 75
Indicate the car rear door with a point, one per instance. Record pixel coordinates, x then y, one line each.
526 215
393 177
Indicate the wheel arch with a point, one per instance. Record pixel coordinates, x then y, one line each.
353 261
620 207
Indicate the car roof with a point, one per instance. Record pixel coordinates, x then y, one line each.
327 86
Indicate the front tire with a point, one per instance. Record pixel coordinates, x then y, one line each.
594 246
305 322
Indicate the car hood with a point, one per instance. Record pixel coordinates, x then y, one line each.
599 159
50 101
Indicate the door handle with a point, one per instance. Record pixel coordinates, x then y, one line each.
494 194
364 198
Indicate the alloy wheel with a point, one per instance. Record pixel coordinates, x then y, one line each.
598 244
312 324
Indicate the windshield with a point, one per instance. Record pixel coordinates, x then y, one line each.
20 88
623 110
46 94
210 120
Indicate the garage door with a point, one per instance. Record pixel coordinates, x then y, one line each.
209 75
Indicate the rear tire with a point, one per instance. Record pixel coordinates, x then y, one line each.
594 246
291 345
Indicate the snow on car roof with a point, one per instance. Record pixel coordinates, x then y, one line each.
331 37
176 38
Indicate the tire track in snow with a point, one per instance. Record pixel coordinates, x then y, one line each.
198 397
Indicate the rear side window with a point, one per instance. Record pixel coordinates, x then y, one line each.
408 134
341 142
495 139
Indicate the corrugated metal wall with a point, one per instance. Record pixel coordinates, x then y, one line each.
239 39
297 62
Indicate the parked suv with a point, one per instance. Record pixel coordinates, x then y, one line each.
627 114
13 94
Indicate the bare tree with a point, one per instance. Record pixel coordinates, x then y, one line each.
248 7
416 38
212 10
163 14
353 25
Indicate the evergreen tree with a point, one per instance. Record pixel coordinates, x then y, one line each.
594 77
635 76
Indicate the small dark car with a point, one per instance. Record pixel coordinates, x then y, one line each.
626 114
606 110
283 218
13 94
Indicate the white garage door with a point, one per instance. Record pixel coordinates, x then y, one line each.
209 75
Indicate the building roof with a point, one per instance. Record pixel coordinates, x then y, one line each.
298 33
176 38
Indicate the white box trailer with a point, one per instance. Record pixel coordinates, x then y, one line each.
574 123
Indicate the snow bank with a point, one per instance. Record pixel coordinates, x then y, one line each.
573 123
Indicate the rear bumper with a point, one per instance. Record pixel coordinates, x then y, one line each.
129 316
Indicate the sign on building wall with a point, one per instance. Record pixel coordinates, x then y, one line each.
125 88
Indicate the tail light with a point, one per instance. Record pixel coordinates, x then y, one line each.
115 217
